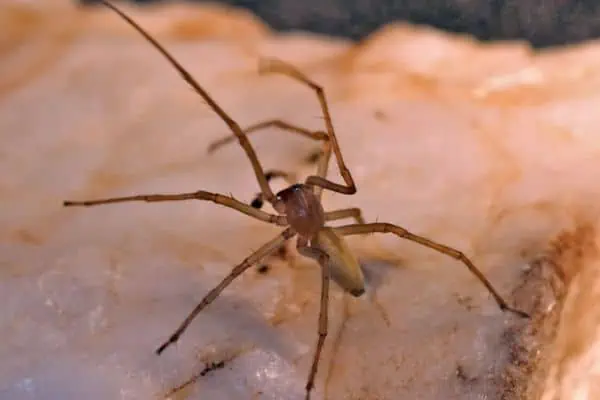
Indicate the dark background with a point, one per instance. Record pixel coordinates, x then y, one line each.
541 22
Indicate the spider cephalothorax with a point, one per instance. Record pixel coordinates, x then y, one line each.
302 209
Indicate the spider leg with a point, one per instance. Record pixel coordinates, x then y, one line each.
323 167
255 257
198 195
279 67
277 123
353 212
235 128
323 260
357 229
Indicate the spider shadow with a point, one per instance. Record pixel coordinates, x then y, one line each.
376 273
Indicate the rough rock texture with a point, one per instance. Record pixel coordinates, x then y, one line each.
487 148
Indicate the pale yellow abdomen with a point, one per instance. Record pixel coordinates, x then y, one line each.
343 265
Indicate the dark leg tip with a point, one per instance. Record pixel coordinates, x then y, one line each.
67 203
257 203
263 269
307 397
169 342
519 313
314 157
309 386
522 314
270 175
162 347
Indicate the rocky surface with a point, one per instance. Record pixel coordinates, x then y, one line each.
488 148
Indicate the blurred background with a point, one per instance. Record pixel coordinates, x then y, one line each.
543 23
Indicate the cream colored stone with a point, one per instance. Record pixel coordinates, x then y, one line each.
489 148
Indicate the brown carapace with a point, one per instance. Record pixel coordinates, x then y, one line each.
298 207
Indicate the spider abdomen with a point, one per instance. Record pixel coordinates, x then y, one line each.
343 265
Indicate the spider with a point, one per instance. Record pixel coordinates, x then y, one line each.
298 207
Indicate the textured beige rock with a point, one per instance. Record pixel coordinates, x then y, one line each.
491 149
571 361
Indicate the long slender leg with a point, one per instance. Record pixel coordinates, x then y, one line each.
353 212
277 123
323 259
198 195
289 177
449 251
280 67
255 257
235 128
323 168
